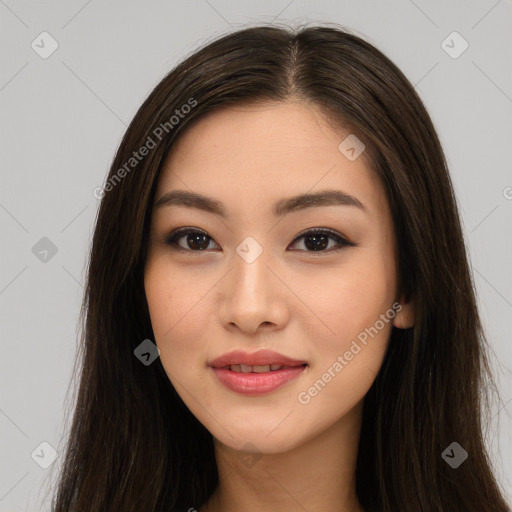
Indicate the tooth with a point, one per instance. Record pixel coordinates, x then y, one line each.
261 369
245 368
235 368
275 367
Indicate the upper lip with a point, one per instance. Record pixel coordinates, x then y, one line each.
259 358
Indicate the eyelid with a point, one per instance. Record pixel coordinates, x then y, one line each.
331 232
176 234
339 238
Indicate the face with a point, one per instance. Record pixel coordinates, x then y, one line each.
251 279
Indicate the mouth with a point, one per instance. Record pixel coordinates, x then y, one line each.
254 362
244 368
256 373
257 380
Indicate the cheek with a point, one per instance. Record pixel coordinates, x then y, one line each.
355 309
350 298
177 316
347 362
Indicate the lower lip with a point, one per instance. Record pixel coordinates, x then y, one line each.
257 383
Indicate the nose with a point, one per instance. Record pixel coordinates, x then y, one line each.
253 298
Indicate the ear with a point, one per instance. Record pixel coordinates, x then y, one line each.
404 316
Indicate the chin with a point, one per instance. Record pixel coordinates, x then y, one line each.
257 439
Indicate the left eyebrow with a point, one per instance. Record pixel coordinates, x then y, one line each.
280 208
322 198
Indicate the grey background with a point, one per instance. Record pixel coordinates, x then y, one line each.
63 117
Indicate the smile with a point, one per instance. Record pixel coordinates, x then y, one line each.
256 380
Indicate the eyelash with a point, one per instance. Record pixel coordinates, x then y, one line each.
342 242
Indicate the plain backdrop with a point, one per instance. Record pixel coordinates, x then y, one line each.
63 116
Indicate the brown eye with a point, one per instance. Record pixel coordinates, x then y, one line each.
317 240
194 240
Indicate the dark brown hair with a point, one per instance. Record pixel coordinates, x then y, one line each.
134 446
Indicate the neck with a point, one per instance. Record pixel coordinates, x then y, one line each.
316 476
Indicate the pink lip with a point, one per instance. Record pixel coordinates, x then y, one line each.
259 358
257 383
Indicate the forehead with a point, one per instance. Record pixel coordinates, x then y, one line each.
264 152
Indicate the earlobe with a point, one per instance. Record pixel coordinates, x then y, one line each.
404 317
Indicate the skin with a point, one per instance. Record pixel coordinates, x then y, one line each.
308 305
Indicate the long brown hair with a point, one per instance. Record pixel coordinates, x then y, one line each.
133 445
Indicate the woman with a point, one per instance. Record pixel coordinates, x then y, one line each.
279 312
